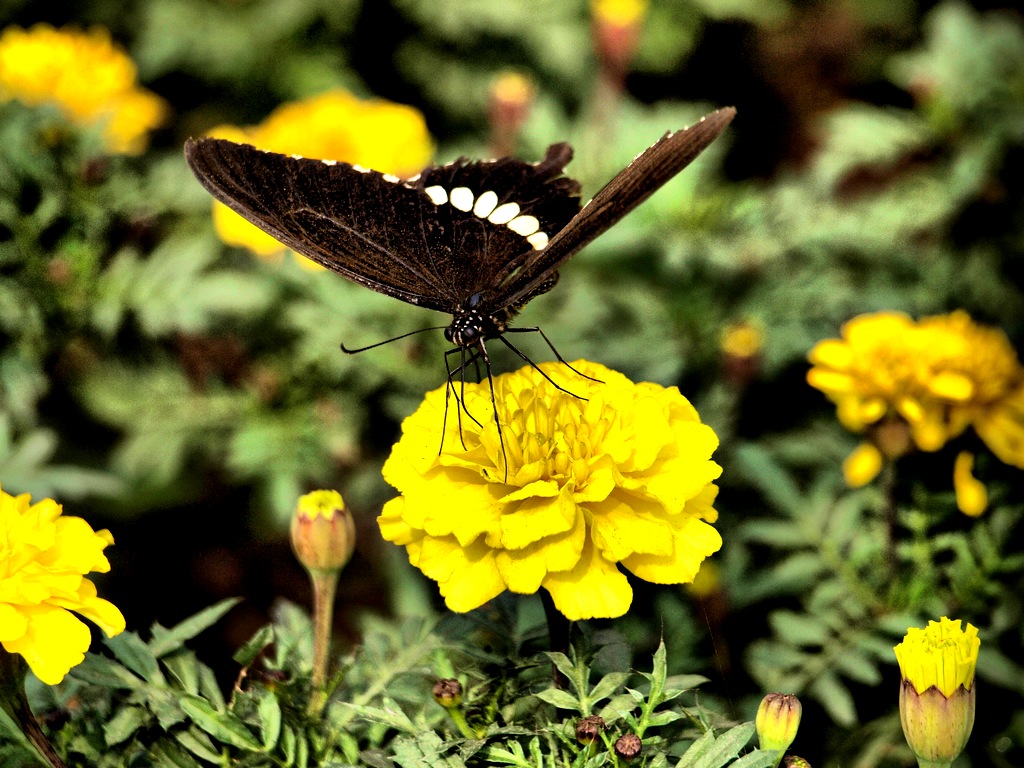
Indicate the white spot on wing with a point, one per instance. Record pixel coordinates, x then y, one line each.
437 195
462 198
524 225
485 204
329 162
360 169
390 177
539 240
503 214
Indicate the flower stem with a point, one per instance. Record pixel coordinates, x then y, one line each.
324 587
14 703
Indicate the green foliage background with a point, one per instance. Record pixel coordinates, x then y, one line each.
185 393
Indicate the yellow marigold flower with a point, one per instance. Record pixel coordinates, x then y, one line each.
937 692
622 478
44 557
937 377
619 12
88 77
382 135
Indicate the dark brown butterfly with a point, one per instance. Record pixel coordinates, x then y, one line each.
477 240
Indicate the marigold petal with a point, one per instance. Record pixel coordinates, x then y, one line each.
535 519
13 623
692 541
393 526
831 353
971 494
1002 430
55 641
624 524
467 577
862 465
594 589
951 385
523 570
830 381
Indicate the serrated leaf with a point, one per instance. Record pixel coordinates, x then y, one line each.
606 686
131 651
124 723
559 698
165 754
663 718
254 646
168 640
198 743
564 665
183 670
102 671
270 719
723 748
223 726
830 692
798 628
757 759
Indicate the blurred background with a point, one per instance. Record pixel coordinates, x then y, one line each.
168 375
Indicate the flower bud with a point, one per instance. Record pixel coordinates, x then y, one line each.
323 532
588 729
628 746
511 97
741 344
777 721
617 27
448 692
937 690
792 761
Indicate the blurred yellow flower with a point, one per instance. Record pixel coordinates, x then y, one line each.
382 135
619 12
89 78
44 557
935 377
622 478
937 696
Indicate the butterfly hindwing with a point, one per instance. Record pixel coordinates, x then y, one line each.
431 241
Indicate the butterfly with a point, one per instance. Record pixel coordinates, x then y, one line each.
477 240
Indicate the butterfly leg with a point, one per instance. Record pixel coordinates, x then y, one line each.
494 402
562 360
450 392
533 365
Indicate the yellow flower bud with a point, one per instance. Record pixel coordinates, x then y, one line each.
777 721
448 692
937 693
323 532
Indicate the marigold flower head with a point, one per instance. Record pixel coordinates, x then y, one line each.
778 720
84 74
335 125
937 696
621 478
935 378
44 557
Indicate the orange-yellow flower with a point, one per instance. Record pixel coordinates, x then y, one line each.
384 136
623 478
44 557
89 78
921 384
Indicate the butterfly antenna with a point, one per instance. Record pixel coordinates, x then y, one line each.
533 365
348 351
562 360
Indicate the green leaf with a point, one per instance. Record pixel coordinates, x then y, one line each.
757 759
224 726
606 686
168 640
559 698
198 743
798 628
835 698
716 752
124 723
183 670
10 730
270 719
100 670
131 651
164 754
254 646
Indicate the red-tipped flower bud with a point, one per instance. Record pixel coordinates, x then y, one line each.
323 532
628 746
777 721
588 729
448 692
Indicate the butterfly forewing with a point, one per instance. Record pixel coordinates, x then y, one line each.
630 187
433 241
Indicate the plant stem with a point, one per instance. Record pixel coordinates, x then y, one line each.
324 587
558 635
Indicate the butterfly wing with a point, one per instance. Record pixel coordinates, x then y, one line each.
402 238
634 184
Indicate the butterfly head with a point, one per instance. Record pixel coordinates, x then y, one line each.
473 323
